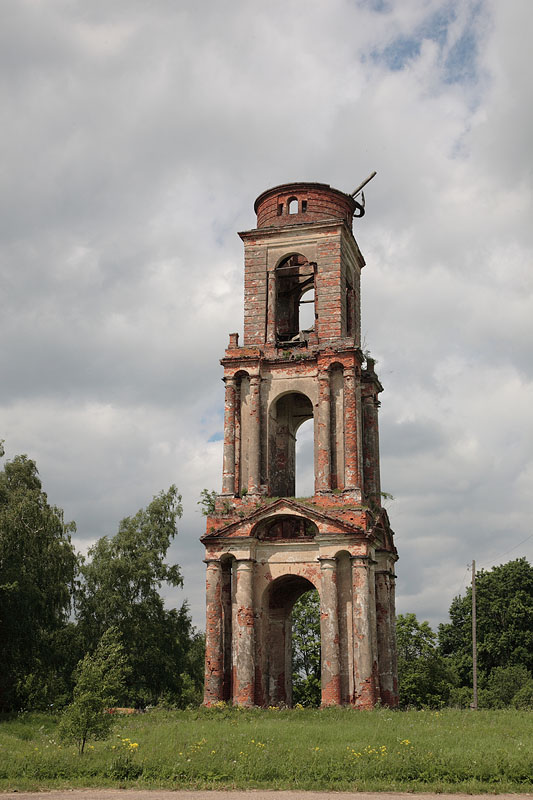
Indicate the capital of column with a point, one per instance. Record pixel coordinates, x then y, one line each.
362 561
230 381
213 562
255 380
327 562
244 564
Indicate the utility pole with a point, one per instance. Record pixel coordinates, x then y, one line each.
474 638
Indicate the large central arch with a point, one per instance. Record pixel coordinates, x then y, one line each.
287 412
278 601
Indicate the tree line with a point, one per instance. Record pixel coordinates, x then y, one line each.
56 606
435 669
62 614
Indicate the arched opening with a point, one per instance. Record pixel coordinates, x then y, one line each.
277 671
295 277
306 657
292 205
336 372
305 462
350 307
286 415
242 403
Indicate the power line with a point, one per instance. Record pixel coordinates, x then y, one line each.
458 592
507 551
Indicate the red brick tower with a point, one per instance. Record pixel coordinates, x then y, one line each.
264 547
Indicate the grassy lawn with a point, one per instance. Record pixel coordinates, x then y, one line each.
337 749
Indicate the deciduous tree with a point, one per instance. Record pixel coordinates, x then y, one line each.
424 677
306 649
121 586
37 571
99 682
504 602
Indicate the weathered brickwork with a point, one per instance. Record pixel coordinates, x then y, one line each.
314 201
264 548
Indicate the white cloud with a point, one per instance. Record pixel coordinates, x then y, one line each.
136 138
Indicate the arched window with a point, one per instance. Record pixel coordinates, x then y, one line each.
292 205
295 277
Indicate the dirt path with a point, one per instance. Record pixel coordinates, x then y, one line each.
259 794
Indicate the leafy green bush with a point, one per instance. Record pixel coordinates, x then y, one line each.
503 684
99 680
524 696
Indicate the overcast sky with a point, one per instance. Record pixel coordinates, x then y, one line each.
135 138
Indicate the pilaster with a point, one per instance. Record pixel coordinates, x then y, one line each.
214 666
254 478
364 672
243 648
329 633
228 467
323 435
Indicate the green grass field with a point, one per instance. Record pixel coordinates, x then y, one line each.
337 749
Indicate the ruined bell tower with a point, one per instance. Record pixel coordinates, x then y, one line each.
265 547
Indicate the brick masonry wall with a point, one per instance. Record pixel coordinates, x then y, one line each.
255 293
247 642
323 202
328 287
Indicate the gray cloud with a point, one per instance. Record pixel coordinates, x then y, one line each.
136 138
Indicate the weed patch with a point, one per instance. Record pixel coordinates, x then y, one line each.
328 749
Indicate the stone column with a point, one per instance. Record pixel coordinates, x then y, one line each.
228 467
323 476
352 476
371 447
243 632
373 628
394 651
385 638
365 695
214 652
329 633
271 308
254 456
